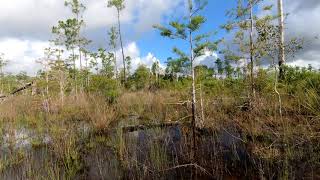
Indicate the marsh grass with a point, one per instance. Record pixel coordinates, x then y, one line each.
269 141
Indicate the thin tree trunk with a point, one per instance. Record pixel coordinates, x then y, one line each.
115 64
47 86
61 78
194 118
2 77
47 81
283 121
251 52
81 75
61 87
281 43
121 44
87 73
74 73
201 104
79 42
80 58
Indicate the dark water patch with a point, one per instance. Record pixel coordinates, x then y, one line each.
151 152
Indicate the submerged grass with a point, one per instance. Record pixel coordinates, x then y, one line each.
270 140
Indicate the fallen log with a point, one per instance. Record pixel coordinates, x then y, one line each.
22 88
18 90
149 126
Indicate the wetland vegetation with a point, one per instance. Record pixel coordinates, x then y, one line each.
83 116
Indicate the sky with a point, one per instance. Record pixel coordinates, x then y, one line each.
26 28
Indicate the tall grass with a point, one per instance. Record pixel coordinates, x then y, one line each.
260 128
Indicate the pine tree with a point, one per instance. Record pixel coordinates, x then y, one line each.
119 5
113 36
46 62
155 70
59 71
3 63
128 61
68 34
198 43
243 25
281 38
106 62
77 8
219 66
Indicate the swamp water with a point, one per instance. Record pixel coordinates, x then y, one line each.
144 153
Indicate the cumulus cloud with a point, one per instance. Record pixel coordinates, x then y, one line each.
140 13
208 59
22 54
133 51
151 12
26 26
34 18
302 23
305 63
30 18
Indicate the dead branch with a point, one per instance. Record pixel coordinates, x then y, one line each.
179 103
17 90
22 88
234 136
149 126
192 165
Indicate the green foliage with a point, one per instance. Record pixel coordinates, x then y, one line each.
196 23
228 69
3 61
128 64
76 6
155 68
107 61
203 73
239 24
113 36
186 30
104 86
141 78
67 33
219 65
225 99
118 4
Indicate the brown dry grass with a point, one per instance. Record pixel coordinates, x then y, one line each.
155 107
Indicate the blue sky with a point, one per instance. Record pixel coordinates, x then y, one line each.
26 28
162 47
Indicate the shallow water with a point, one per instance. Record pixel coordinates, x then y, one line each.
153 153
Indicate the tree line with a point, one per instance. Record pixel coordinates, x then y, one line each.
70 66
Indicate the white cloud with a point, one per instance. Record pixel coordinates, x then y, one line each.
99 15
22 54
208 59
301 23
151 12
26 26
133 51
305 63
30 17
34 18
